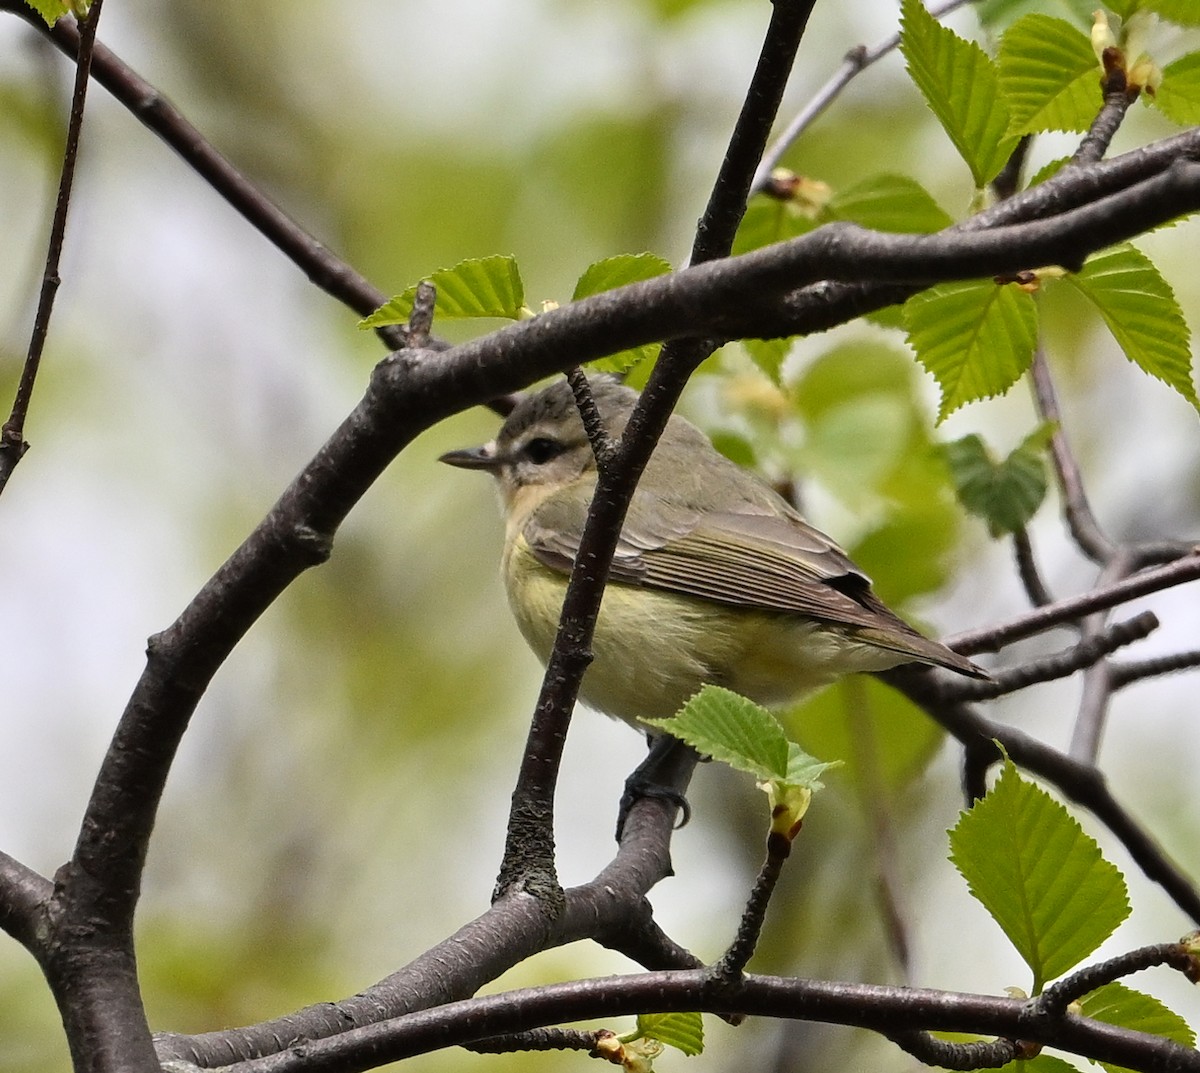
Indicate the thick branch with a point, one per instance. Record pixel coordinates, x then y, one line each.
887 1010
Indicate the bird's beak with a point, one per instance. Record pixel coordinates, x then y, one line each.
473 458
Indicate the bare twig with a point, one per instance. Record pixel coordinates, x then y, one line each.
1125 674
993 638
737 957
1078 512
12 435
1087 653
986 1054
327 271
538 1039
1097 686
857 60
887 1010
1059 995
602 443
1031 578
24 896
1117 99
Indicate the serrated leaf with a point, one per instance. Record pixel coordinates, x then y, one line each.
732 729
608 274
1004 494
1140 310
613 272
683 1031
976 338
889 203
1116 1004
51 10
1040 877
1184 12
960 85
1048 171
1178 98
479 287
1049 75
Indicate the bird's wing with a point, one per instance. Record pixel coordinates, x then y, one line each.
766 562
760 561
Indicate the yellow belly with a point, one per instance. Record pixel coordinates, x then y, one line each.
653 650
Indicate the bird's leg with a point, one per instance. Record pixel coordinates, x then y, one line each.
649 779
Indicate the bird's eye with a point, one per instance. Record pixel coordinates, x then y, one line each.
540 450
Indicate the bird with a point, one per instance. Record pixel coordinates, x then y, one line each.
716 578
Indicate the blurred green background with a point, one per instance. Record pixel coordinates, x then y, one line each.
339 803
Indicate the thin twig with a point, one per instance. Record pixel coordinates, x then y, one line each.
857 60
537 1039
1027 569
985 1054
602 443
12 435
1117 100
993 638
326 270
737 957
1078 512
1126 674
1059 995
1087 653
1097 686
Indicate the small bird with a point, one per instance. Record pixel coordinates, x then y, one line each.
716 578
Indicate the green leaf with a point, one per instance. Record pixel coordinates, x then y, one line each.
608 274
889 203
1049 75
1116 1004
52 10
732 729
746 736
480 287
683 1031
976 338
769 355
1040 877
1178 98
1184 12
1048 171
960 85
1140 310
613 272
1004 494
769 220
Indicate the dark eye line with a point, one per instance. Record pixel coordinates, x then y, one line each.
541 449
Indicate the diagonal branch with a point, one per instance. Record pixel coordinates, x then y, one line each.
12 435
327 271
857 60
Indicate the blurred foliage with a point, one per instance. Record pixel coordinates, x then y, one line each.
338 806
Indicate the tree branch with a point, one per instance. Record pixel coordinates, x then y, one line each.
12 435
886 1010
